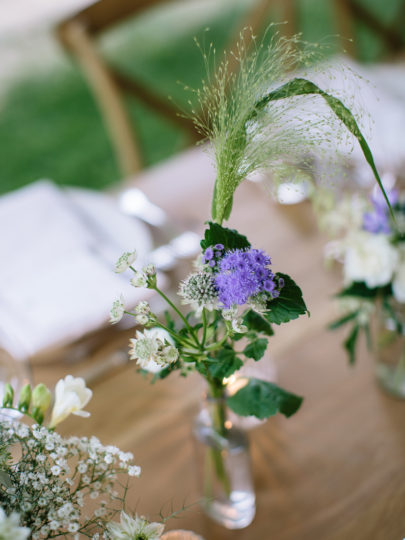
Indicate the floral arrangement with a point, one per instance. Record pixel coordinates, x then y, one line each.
235 297
51 486
371 249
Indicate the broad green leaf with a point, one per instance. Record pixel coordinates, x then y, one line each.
350 343
289 305
256 322
225 363
299 87
263 399
256 348
216 234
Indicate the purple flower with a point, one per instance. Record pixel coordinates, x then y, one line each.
242 274
208 254
220 247
378 220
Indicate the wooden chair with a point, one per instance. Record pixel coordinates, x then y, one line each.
109 86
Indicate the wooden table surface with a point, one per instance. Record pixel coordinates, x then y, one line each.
335 471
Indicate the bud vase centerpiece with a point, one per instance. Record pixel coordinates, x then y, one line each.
371 246
235 295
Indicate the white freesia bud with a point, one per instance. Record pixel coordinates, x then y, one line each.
139 280
117 310
71 396
370 258
125 261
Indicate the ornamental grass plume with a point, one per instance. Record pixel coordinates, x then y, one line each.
257 118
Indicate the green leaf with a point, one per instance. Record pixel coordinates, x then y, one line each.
263 399
359 288
289 305
226 363
299 87
256 322
343 320
216 234
350 343
256 348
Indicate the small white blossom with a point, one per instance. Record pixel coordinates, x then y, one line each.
117 310
149 270
153 349
139 280
125 261
137 527
238 326
134 470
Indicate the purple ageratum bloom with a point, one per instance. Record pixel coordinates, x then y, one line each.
378 220
208 254
243 274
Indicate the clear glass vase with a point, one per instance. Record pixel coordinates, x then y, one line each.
390 348
223 463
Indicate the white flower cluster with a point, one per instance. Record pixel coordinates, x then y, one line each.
153 349
10 527
370 257
53 478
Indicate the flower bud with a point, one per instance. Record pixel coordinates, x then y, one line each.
25 398
8 395
41 398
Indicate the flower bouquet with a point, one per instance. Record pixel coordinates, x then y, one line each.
371 248
234 294
53 487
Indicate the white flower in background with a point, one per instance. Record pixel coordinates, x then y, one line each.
117 310
10 527
125 261
140 279
365 308
71 396
153 349
346 215
398 284
134 528
370 258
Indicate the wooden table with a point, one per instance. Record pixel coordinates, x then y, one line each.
335 471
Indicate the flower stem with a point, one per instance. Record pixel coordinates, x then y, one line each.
192 333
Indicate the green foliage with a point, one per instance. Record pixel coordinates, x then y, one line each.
256 322
360 289
351 342
343 320
263 399
256 348
226 363
230 238
289 305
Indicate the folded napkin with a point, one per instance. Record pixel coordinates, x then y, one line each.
57 279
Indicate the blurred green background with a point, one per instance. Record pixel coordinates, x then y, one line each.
50 126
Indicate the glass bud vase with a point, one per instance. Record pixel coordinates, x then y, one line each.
223 464
390 348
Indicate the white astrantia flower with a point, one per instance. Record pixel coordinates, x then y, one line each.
135 528
153 349
238 326
125 261
10 527
117 310
149 270
71 396
140 279
370 258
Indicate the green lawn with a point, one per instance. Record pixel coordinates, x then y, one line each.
50 126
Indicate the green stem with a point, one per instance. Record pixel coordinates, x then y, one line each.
192 333
205 327
21 412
